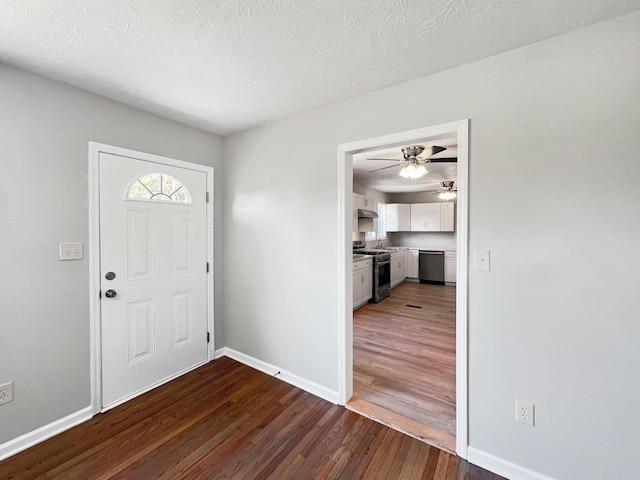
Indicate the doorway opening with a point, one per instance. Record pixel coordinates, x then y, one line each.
409 296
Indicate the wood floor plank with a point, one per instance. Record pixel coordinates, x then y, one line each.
404 357
226 420
404 424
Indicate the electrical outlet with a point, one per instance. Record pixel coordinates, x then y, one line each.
71 251
6 393
525 412
481 260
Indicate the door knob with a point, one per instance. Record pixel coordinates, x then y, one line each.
110 293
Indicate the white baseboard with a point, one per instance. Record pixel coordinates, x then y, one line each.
284 375
502 467
43 433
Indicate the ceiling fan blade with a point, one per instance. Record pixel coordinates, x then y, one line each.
385 159
428 152
443 160
384 168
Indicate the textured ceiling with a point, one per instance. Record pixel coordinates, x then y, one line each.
227 65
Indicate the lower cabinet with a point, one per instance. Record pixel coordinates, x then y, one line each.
398 267
413 257
450 265
362 282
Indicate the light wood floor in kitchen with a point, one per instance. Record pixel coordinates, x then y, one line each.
405 361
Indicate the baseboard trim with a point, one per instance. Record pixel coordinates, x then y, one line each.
54 428
284 375
43 433
502 467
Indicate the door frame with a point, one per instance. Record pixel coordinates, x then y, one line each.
345 260
95 347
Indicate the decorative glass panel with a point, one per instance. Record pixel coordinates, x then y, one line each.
159 186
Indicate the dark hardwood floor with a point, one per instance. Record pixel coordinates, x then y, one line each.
228 421
404 360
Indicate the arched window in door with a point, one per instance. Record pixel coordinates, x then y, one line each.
159 187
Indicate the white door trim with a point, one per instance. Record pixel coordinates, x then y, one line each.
345 287
94 254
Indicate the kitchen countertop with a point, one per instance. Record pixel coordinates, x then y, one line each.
443 248
395 248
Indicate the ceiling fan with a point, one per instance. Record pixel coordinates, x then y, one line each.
413 166
447 190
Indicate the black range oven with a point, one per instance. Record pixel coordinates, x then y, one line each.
381 277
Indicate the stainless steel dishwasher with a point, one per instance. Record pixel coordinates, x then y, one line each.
431 266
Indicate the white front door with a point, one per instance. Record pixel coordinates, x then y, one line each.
153 270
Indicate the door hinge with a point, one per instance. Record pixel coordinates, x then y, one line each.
207 197
207 267
208 337
100 294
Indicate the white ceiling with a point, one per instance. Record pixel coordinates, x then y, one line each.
227 65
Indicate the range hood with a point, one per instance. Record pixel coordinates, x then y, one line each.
362 213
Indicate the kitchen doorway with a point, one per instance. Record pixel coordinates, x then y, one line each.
346 365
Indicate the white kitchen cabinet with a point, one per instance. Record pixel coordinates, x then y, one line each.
432 217
450 265
354 210
366 203
364 224
425 217
413 262
398 267
362 282
398 218
447 217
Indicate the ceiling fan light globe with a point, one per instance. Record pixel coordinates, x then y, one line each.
413 170
418 171
447 195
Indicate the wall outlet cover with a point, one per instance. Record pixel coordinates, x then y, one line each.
6 393
525 412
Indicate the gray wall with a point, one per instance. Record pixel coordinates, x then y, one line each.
555 322
370 192
45 127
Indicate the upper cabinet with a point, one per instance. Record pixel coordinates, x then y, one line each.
447 223
420 217
364 224
425 217
366 203
398 217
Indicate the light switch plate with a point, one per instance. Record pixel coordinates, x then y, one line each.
71 250
482 260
